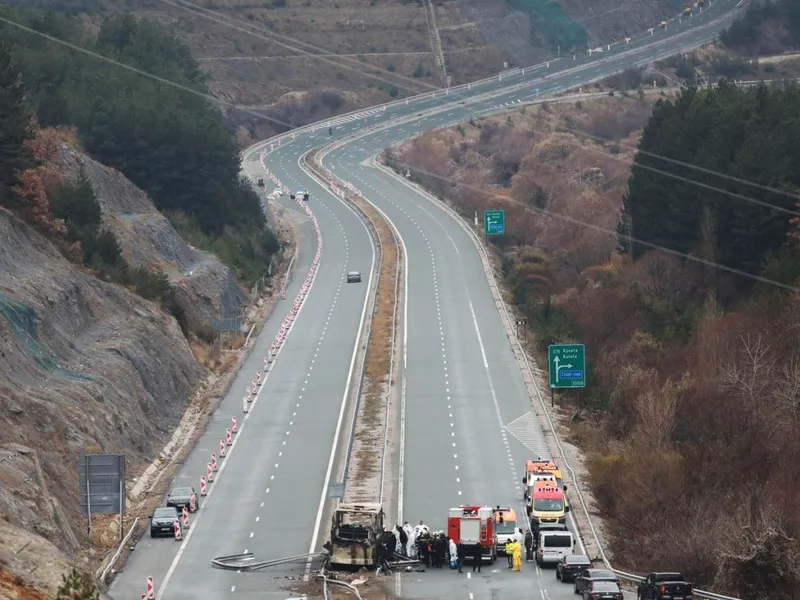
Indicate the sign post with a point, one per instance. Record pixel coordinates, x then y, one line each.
494 222
566 366
102 485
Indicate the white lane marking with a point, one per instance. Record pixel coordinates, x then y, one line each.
402 449
324 492
213 486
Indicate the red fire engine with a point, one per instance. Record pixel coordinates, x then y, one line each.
474 524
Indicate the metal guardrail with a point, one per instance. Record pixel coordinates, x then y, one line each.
507 73
245 562
322 152
114 558
622 574
492 93
514 338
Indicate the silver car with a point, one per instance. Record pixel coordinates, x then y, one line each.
354 277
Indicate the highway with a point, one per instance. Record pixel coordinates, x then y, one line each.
468 423
266 497
468 416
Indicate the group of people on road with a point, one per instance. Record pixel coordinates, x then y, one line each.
418 542
514 546
435 549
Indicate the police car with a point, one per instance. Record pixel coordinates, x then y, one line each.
299 195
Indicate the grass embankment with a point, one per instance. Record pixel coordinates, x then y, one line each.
377 377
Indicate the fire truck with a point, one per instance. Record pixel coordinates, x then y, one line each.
474 524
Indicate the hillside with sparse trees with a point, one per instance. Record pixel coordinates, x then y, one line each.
673 254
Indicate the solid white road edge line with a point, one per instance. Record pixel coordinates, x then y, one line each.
213 486
325 483
423 194
400 481
401 463
488 371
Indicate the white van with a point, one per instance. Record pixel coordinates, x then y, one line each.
553 546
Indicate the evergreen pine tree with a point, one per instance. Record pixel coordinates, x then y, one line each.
15 128
77 586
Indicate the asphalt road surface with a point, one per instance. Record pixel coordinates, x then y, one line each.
267 494
468 418
469 428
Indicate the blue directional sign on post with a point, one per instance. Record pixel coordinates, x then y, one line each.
494 222
567 365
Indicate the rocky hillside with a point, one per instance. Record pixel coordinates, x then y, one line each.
87 365
207 288
267 54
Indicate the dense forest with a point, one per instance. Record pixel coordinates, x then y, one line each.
67 213
765 28
168 141
727 193
690 416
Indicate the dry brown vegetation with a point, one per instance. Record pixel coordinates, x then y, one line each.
377 376
537 158
360 52
349 40
690 417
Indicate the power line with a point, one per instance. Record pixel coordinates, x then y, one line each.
600 229
681 163
270 36
700 184
212 16
122 65
526 207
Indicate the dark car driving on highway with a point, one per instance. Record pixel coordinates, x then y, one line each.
162 521
180 497
587 576
354 277
569 567
602 590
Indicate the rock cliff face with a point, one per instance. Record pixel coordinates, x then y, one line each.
86 366
207 287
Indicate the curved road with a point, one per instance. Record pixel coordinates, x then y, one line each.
469 425
266 497
463 385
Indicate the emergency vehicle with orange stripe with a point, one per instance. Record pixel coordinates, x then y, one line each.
545 498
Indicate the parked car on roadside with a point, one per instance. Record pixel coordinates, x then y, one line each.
162 521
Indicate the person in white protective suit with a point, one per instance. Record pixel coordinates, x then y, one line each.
410 541
418 528
519 537
453 555
411 546
396 534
